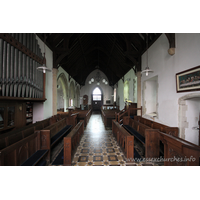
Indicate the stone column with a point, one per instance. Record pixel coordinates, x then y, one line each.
139 92
54 92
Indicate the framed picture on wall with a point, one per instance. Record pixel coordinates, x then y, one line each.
188 80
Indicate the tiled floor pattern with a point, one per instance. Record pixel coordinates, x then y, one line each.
98 147
94 151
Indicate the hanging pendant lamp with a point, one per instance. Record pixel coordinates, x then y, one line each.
147 70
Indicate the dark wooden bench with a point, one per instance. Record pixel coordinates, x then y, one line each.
60 134
108 114
14 136
71 141
32 150
174 131
84 115
147 136
179 152
72 118
36 159
57 131
131 112
125 140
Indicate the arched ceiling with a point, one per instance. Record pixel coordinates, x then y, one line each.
113 53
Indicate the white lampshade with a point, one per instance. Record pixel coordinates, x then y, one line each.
43 68
92 80
147 71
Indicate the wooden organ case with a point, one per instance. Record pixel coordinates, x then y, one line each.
20 81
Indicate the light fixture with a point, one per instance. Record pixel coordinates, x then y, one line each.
147 70
98 78
44 68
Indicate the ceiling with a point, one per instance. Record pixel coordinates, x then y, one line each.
112 53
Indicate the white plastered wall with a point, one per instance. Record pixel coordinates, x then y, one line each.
44 110
165 66
88 88
132 79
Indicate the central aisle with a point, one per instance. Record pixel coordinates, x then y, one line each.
98 146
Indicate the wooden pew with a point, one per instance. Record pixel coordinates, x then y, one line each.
155 125
18 134
71 141
108 116
147 136
72 118
179 152
28 151
124 139
131 112
56 131
83 115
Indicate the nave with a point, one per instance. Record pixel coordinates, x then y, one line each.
99 147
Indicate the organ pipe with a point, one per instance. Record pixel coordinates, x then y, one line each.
20 55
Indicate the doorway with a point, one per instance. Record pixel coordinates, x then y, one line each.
97 99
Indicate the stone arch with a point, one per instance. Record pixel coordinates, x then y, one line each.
63 87
183 121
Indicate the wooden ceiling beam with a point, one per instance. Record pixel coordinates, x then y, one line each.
172 45
46 42
82 51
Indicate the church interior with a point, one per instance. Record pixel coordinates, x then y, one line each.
99 99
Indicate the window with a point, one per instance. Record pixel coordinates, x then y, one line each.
71 102
97 94
150 98
115 95
126 91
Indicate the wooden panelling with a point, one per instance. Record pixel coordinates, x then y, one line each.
71 141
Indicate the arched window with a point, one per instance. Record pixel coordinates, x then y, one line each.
115 95
96 94
126 91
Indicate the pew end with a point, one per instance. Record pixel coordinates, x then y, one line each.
71 141
152 143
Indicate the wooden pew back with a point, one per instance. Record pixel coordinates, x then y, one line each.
155 125
108 116
18 134
71 141
124 139
152 138
179 151
20 151
55 128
